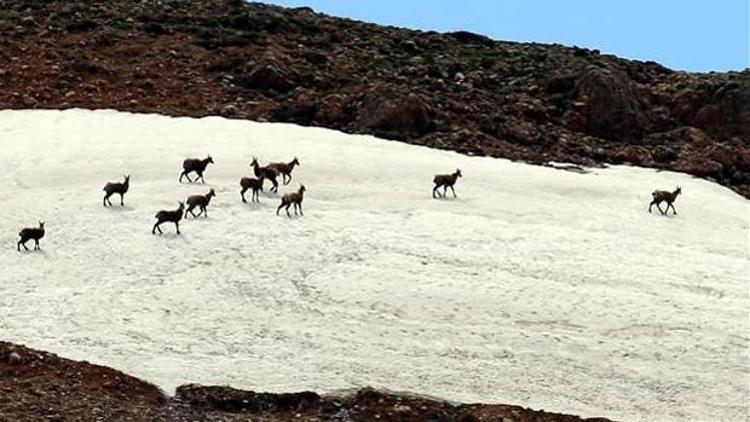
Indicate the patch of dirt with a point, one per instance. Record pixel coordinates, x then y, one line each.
40 386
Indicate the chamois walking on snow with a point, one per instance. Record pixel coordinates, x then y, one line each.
199 201
294 198
251 183
112 188
266 172
195 165
665 196
446 181
31 233
285 169
168 217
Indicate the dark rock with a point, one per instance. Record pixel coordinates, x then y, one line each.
610 105
397 116
302 114
267 77
467 37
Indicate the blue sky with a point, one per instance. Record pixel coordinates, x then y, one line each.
694 35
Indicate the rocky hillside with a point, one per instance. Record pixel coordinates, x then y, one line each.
457 91
39 386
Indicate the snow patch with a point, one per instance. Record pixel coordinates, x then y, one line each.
546 288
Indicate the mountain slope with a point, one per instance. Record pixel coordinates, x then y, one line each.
457 91
549 288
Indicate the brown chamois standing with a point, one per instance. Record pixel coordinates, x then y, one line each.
446 181
200 201
195 165
285 169
30 233
664 196
116 188
265 173
168 217
251 183
292 198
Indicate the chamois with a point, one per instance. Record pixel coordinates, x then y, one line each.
292 198
168 217
195 165
251 183
116 188
265 173
665 196
285 169
446 181
200 201
30 233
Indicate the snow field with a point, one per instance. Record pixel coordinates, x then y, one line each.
538 287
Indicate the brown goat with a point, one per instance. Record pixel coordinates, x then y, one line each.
199 201
112 188
195 165
664 196
30 233
251 183
168 217
294 198
446 181
265 173
285 169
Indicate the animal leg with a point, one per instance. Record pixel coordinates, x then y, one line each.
287 210
673 210
651 205
200 176
203 212
435 192
279 208
22 243
242 193
660 210
454 191
300 209
177 226
36 244
122 200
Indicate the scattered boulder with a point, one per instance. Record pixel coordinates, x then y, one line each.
267 77
610 105
397 116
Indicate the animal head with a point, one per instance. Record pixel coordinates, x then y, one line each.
254 162
302 188
210 159
211 193
295 161
458 173
41 224
182 205
127 178
678 191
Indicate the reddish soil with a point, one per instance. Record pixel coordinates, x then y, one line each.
40 386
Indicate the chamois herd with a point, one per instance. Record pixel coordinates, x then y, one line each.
269 172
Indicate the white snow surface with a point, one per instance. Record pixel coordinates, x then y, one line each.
539 287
